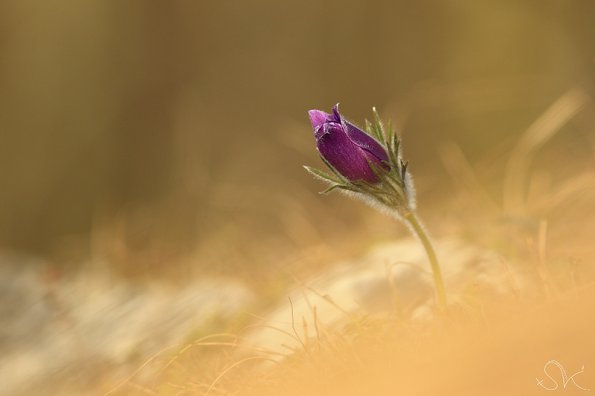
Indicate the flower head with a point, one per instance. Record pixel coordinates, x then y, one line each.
365 165
347 148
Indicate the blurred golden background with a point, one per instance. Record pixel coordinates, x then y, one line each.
178 125
165 140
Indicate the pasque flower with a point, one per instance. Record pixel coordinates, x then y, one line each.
346 147
369 166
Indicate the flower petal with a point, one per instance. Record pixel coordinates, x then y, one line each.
318 117
361 138
365 141
344 155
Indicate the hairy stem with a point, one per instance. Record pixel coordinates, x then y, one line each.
421 233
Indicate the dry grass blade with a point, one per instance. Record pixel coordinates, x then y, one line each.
581 184
297 337
539 133
232 366
128 379
202 342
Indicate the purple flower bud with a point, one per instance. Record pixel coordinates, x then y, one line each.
346 147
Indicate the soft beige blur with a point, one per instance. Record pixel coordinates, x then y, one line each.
506 356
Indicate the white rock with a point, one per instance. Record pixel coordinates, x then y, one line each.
98 321
371 285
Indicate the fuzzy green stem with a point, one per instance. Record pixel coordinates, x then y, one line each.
420 231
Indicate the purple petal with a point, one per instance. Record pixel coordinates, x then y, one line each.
361 138
318 117
344 155
365 141
325 128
